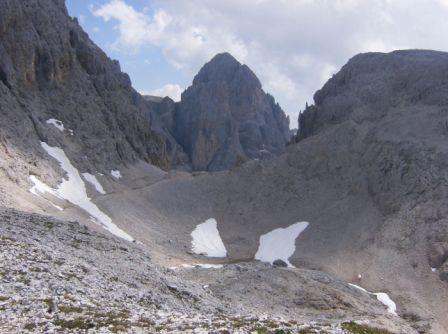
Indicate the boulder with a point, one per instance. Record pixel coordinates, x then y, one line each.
437 254
279 263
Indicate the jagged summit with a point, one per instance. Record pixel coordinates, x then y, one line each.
224 67
225 118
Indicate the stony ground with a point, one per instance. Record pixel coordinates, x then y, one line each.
60 277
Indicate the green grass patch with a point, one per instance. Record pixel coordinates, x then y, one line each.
70 309
74 324
355 328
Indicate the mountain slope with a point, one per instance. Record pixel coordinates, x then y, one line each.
49 73
70 279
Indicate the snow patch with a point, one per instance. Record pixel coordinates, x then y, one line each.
198 265
387 301
57 124
94 182
73 190
116 174
359 288
206 240
382 297
280 243
209 266
41 188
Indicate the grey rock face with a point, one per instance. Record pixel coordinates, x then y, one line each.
49 68
438 254
164 110
375 82
225 118
444 272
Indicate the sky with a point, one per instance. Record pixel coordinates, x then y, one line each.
293 46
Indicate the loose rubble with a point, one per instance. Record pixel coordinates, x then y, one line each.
60 277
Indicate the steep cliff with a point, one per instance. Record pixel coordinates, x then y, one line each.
52 73
225 118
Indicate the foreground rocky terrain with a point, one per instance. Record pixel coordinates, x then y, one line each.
61 277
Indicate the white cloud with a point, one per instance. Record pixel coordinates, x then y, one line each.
292 45
173 91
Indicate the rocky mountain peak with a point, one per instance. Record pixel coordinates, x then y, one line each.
225 68
225 117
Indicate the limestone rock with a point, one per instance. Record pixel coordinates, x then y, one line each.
438 254
50 69
225 118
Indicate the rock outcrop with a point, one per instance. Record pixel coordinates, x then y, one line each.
50 69
225 118
371 85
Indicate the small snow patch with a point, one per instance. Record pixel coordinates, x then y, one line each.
359 288
116 174
94 182
206 240
57 124
209 266
280 243
41 188
73 190
198 265
389 303
382 297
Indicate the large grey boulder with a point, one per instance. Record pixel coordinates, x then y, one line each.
225 118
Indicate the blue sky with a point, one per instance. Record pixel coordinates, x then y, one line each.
293 46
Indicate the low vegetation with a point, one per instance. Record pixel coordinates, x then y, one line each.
355 328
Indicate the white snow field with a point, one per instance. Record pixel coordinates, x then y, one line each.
116 174
280 243
73 190
56 123
382 297
94 182
206 240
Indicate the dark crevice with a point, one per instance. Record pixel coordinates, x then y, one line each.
4 78
36 129
44 68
